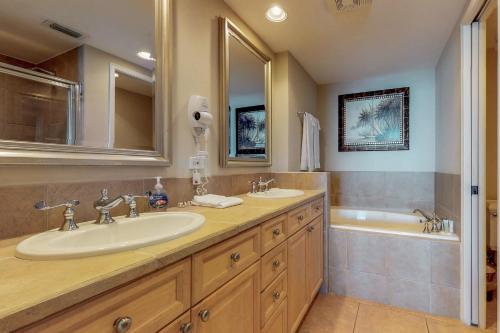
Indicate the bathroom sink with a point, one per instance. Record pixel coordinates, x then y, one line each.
277 193
125 234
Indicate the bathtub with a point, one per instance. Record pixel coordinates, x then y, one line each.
385 257
383 222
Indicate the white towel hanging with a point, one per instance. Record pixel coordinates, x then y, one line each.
310 155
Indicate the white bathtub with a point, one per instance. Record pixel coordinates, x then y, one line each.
383 222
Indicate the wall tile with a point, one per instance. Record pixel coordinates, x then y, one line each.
409 259
367 286
445 301
366 253
285 180
445 264
18 217
338 255
409 294
338 282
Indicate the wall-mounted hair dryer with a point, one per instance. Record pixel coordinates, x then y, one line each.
198 115
200 120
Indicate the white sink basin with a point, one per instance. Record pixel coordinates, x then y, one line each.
277 193
125 234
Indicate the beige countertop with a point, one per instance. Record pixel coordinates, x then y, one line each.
33 290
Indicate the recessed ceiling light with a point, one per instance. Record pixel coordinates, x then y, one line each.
145 55
276 14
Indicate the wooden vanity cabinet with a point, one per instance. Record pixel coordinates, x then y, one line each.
314 259
235 307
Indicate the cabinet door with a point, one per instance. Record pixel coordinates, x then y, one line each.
277 323
314 259
180 325
235 307
298 295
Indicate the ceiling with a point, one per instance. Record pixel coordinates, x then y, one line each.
391 36
119 27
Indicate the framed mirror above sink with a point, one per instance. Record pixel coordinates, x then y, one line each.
245 99
84 82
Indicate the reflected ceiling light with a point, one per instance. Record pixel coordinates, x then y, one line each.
276 14
145 55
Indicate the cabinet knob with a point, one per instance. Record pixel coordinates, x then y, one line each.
310 228
276 295
186 328
235 257
300 218
276 263
276 232
122 324
204 315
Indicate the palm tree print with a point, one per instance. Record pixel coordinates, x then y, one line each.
381 121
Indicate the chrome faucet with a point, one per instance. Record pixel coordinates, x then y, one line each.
69 213
264 185
427 217
104 204
434 221
129 199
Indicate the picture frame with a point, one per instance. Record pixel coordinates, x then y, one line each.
374 120
250 130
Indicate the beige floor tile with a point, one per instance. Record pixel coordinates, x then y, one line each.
330 314
451 326
379 318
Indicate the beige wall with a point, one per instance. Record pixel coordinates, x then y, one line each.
195 70
491 124
448 104
133 120
295 92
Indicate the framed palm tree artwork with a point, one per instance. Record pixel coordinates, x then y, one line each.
251 130
375 120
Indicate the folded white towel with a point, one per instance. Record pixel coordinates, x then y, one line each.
216 201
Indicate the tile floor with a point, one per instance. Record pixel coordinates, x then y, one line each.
334 314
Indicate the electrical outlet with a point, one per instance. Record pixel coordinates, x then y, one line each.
196 178
196 163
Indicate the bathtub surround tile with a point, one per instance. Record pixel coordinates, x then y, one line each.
447 194
367 286
445 301
366 253
409 294
409 259
445 264
383 190
338 283
339 241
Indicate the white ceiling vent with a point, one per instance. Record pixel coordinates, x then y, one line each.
341 6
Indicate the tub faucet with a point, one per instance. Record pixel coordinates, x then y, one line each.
427 217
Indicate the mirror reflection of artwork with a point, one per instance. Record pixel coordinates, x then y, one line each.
251 129
374 121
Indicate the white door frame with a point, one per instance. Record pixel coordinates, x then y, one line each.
473 207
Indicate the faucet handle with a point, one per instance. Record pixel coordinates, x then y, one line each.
69 213
42 205
132 203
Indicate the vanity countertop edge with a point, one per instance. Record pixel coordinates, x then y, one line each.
33 290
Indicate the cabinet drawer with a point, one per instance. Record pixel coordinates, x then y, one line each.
316 208
151 303
273 232
273 263
180 325
298 218
272 297
235 307
278 321
218 264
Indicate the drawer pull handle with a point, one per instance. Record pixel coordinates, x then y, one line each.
276 232
235 257
301 217
122 324
310 228
186 328
276 264
204 315
276 295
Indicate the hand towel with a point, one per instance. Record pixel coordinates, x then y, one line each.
310 157
216 201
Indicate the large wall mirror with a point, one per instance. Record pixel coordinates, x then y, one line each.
245 100
84 81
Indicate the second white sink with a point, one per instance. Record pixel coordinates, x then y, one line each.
125 234
277 193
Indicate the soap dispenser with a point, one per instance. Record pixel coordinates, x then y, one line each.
158 199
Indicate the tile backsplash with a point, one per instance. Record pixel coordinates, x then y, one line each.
18 217
383 190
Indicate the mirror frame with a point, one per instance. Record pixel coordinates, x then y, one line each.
228 29
17 152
